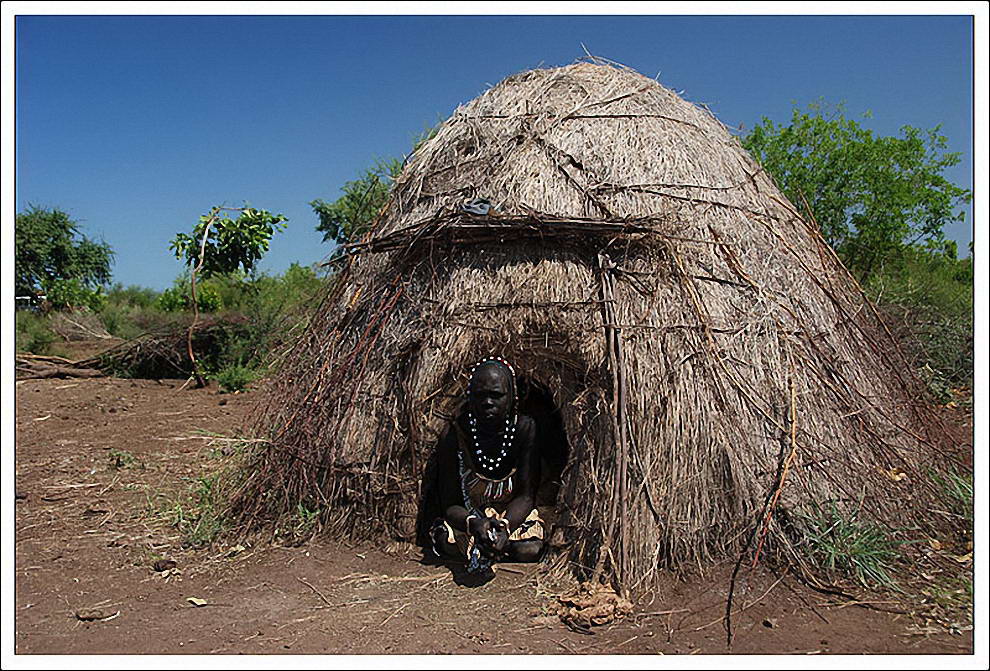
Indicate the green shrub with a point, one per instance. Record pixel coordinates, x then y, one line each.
118 321
178 298
171 300
133 296
208 299
32 332
129 312
271 309
131 322
235 378
259 312
929 299
71 293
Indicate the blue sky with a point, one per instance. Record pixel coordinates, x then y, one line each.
136 125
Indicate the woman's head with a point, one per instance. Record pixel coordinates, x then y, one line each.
492 389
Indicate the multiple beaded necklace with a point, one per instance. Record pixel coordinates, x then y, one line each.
487 460
490 449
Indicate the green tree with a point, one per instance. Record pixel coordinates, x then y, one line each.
350 216
220 244
872 196
50 251
347 218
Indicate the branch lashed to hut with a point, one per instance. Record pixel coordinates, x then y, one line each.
716 368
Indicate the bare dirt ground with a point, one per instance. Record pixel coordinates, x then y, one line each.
102 466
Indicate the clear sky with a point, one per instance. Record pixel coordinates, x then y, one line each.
136 125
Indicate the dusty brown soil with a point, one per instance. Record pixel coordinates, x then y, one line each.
100 462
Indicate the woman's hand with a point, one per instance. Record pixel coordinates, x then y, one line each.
490 533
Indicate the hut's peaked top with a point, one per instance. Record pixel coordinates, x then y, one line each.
584 141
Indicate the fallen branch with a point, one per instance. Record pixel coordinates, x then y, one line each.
318 592
33 367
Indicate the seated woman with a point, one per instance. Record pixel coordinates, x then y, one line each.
488 474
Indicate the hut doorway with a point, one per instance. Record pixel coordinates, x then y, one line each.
537 401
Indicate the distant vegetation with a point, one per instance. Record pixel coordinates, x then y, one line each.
928 300
256 312
351 215
221 246
883 204
55 264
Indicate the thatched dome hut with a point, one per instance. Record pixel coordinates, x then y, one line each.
717 374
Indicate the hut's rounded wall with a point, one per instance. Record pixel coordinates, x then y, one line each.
744 347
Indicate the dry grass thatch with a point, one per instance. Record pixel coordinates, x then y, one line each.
716 368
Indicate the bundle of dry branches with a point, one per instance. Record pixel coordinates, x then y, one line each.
163 353
717 369
73 325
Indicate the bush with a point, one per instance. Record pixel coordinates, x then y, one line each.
178 298
129 312
132 296
272 309
71 293
171 300
118 321
32 332
260 311
929 299
235 378
131 322
163 352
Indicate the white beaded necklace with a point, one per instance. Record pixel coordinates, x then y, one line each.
492 462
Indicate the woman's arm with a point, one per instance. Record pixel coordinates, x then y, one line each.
449 481
527 477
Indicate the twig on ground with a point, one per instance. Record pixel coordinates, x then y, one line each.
318 592
661 612
394 613
746 607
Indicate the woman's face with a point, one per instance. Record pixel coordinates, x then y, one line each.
490 394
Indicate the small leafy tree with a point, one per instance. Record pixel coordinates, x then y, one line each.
347 218
51 254
873 197
71 293
220 244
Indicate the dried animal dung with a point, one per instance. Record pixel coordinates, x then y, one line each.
592 604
